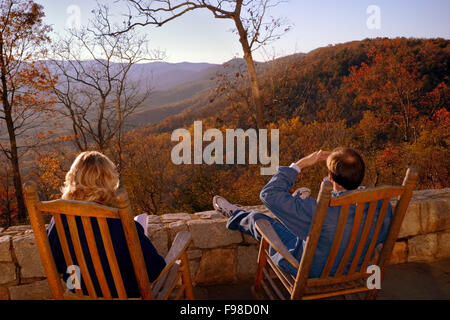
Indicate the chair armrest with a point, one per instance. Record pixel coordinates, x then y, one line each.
164 285
265 229
179 245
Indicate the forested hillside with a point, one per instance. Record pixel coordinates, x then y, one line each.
388 98
326 83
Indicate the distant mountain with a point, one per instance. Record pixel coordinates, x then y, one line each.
193 96
190 95
175 87
160 75
164 75
311 86
192 84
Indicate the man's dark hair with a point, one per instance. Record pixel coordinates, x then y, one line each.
346 167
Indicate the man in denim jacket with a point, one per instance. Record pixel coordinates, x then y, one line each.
346 172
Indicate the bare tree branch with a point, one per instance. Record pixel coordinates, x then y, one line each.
252 24
97 90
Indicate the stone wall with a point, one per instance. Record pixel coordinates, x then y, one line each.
425 232
218 255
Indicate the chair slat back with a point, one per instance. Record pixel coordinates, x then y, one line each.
365 201
87 226
112 261
337 240
72 211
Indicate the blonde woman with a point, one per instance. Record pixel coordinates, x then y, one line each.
93 177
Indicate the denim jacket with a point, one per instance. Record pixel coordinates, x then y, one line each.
296 214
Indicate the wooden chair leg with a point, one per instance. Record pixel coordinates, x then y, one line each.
186 277
372 294
262 259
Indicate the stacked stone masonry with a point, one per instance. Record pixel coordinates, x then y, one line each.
218 255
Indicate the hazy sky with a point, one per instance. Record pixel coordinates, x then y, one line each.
198 37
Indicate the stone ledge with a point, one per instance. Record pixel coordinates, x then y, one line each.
208 215
5 249
427 195
428 212
158 235
28 257
399 253
172 217
443 244
422 248
216 266
212 233
7 273
38 290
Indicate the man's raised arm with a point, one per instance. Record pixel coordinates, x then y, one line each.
293 212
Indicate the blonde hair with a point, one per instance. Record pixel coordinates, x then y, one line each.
92 177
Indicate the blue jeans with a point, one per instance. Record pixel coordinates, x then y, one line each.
244 221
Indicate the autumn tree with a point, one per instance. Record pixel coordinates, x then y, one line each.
148 173
99 85
390 85
25 83
231 86
51 172
8 208
252 21
430 153
436 99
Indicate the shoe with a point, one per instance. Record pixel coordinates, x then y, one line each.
222 205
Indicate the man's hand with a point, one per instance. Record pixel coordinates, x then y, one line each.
313 158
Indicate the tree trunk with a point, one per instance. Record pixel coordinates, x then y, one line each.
254 83
405 126
13 156
256 93
100 134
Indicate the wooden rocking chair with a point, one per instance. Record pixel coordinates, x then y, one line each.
353 282
177 263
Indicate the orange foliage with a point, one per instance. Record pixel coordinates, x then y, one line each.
388 99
